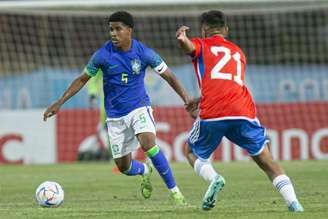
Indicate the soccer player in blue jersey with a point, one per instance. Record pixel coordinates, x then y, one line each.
123 61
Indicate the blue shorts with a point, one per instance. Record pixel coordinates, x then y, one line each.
206 136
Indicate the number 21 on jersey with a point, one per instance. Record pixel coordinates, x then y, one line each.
217 73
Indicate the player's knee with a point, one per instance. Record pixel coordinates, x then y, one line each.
146 140
190 156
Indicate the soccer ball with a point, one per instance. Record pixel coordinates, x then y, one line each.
49 194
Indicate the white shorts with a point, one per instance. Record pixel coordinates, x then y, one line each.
122 131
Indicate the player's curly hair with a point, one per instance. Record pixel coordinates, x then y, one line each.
122 16
214 19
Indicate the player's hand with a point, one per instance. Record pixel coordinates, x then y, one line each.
192 107
181 33
52 110
194 113
192 104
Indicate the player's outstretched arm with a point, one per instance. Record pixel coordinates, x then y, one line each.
185 43
75 86
168 76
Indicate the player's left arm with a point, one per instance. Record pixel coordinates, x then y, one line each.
193 107
156 62
170 78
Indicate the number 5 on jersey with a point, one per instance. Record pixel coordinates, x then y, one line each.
124 78
216 72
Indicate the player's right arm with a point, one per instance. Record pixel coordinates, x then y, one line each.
185 43
75 86
89 71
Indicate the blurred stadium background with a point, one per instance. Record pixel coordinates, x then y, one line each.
44 45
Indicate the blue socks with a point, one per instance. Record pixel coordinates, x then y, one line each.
136 168
160 163
162 166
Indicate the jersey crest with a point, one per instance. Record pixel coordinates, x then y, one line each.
136 66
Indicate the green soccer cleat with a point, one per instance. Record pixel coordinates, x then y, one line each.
146 187
210 196
178 198
295 207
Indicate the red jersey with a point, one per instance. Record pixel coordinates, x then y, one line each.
220 69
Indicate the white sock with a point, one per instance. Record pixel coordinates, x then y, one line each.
146 169
285 187
205 170
175 189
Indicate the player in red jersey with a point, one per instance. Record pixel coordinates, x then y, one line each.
226 109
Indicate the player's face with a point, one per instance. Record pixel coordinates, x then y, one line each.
120 34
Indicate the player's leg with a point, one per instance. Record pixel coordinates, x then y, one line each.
278 178
121 138
203 140
203 168
144 128
131 167
161 164
251 136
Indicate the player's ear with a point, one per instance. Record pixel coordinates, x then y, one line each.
203 31
130 30
226 30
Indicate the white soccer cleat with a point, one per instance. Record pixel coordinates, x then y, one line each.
210 196
295 207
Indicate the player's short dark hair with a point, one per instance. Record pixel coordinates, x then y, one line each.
122 16
214 19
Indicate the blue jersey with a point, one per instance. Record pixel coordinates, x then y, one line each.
123 76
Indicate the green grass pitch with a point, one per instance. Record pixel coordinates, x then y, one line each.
93 191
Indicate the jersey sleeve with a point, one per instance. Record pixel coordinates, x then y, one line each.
155 61
93 65
198 47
